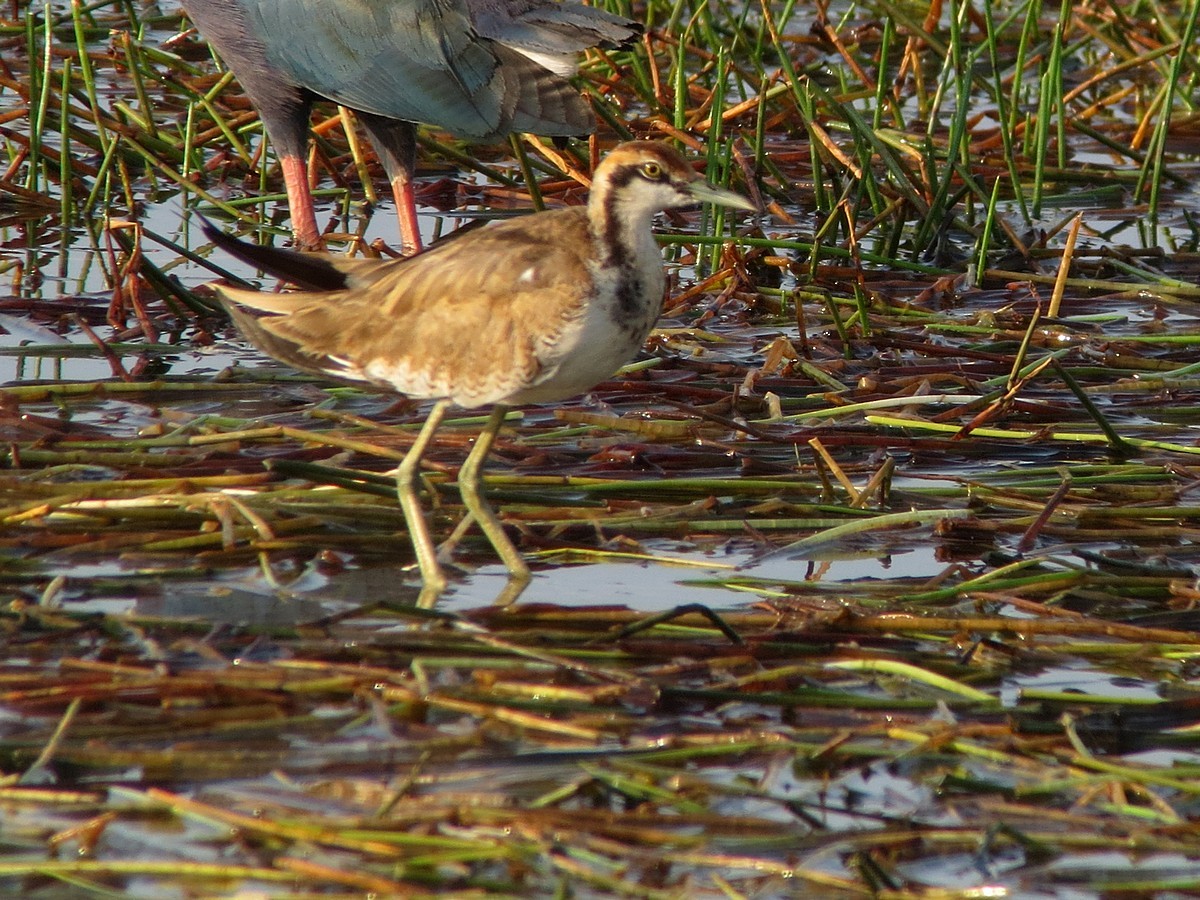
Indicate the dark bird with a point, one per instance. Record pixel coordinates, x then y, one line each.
480 69
528 310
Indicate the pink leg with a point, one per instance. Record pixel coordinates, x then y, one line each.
395 143
300 203
406 212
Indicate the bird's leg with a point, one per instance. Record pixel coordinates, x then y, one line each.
300 203
395 143
406 211
477 505
418 529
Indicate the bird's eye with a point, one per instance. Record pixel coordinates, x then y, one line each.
652 170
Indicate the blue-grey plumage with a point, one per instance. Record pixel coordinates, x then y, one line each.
480 69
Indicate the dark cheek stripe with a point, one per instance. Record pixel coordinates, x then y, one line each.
616 255
620 178
618 181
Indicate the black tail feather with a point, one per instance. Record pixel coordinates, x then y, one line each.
310 271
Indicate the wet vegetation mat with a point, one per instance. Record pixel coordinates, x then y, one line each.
875 576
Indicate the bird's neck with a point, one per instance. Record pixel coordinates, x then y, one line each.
627 258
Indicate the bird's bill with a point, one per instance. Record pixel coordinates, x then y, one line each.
706 193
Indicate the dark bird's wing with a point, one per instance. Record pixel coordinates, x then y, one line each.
415 60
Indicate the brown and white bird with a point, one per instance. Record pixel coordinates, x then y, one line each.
529 310
480 69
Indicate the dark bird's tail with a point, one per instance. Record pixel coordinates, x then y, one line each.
310 271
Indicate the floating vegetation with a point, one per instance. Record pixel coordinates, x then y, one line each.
876 576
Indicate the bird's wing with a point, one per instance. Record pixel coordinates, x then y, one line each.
416 60
551 27
469 320
245 307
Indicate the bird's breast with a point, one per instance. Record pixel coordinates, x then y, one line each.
606 333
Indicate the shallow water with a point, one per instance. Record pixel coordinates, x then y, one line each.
328 757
